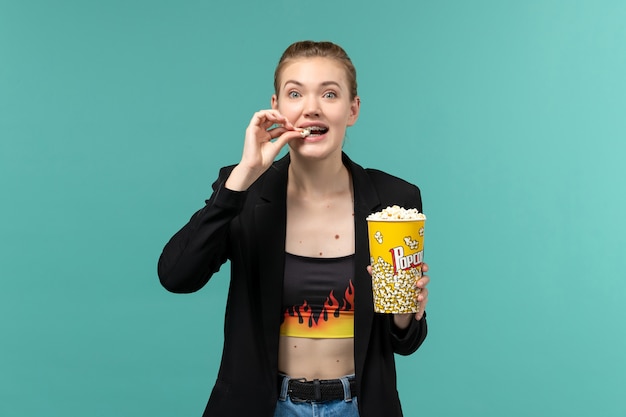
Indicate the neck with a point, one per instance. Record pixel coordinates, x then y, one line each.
318 178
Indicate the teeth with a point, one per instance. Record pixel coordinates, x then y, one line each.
307 131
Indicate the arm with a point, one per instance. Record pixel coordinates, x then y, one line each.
198 250
408 340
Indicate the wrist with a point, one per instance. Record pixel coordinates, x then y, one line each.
402 321
241 178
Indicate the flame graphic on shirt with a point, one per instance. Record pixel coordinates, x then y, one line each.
335 319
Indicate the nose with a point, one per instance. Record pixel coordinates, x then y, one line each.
312 107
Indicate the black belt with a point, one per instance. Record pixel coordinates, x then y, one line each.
318 390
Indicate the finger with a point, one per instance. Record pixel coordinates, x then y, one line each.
420 314
422 299
285 138
277 131
266 118
423 281
262 119
369 269
424 267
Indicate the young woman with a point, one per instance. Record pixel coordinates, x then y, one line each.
301 335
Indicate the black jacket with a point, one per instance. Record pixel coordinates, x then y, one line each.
248 228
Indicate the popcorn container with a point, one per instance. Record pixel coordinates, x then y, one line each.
396 256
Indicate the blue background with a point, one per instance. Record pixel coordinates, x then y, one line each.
510 115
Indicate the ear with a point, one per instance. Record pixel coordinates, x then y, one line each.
355 108
274 102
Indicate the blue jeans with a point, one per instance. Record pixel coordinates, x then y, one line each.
346 407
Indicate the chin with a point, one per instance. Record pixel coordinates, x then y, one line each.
312 151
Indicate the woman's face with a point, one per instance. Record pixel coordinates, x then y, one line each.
314 93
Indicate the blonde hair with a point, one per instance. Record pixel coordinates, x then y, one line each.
312 49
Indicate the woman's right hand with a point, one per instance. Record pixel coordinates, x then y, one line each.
261 146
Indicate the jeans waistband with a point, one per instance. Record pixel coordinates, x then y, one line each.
318 390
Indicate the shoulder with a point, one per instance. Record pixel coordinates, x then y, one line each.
376 176
384 188
393 190
382 178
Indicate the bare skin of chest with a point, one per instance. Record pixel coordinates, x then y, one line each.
318 227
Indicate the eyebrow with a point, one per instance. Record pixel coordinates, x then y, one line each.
323 84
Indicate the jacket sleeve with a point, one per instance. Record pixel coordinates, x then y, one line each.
199 249
407 341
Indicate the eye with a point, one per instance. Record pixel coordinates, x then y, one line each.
330 94
293 94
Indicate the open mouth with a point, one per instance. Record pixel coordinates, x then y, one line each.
313 131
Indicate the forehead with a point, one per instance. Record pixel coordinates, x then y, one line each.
313 71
